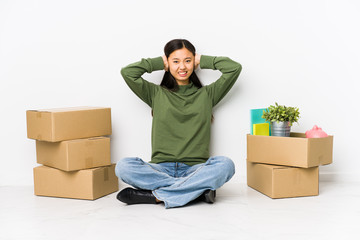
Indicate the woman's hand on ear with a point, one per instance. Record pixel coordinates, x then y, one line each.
197 60
166 64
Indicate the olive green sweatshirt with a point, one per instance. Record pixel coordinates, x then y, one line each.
182 119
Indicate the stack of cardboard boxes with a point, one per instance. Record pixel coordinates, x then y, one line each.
282 167
72 146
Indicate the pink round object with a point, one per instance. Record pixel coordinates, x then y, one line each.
315 132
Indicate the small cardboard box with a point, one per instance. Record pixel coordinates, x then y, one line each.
296 150
54 125
83 184
281 181
76 154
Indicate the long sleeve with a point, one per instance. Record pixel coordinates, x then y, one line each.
230 72
132 75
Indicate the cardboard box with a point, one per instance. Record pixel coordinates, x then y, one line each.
83 184
281 181
61 124
74 154
296 150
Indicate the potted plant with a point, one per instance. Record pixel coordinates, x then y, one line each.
281 119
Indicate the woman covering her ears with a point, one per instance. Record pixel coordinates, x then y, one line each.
181 169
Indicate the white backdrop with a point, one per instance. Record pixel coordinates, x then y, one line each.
69 53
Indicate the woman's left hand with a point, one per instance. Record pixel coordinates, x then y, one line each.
197 60
166 64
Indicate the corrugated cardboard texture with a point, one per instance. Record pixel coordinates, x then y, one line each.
296 150
55 125
74 154
87 184
281 181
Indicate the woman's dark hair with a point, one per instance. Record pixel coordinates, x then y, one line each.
168 80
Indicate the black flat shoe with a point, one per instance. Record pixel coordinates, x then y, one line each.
209 196
136 196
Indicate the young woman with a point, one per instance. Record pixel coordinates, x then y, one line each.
181 169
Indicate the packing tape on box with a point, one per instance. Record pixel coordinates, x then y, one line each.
106 174
89 162
94 138
38 114
320 159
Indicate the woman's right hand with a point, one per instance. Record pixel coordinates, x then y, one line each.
166 64
197 60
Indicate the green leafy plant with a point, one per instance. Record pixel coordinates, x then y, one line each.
281 113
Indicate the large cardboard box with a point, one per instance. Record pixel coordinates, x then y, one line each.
283 182
296 150
76 154
83 184
61 124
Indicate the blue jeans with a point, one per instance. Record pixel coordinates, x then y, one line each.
176 184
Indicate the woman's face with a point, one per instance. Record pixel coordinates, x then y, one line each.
181 65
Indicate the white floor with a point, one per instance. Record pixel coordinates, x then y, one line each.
239 213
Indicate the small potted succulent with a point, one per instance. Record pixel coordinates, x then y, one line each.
281 119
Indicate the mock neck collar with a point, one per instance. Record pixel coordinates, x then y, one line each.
188 88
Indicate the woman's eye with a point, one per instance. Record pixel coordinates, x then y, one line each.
175 61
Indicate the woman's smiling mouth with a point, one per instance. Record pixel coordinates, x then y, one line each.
182 74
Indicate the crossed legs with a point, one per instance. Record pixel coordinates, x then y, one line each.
176 184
